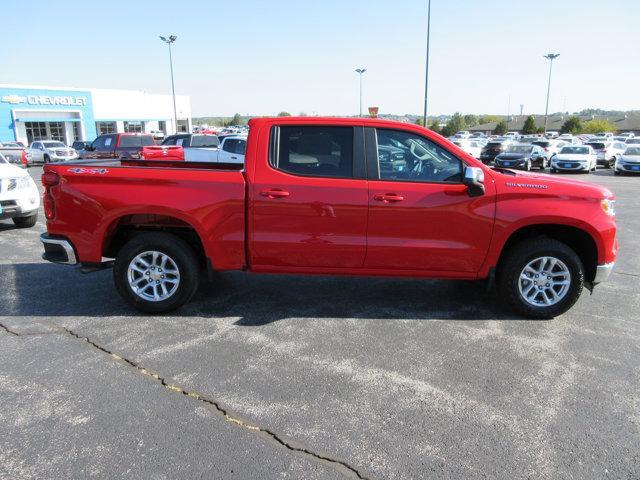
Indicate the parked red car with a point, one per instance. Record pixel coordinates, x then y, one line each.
120 146
333 196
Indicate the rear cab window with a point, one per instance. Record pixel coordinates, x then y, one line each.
136 141
316 151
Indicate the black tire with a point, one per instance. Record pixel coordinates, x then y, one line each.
519 256
46 159
25 222
174 247
553 170
616 172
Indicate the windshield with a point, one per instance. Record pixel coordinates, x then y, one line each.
541 143
204 141
53 144
575 150
597 145
632 151
519 149
136 141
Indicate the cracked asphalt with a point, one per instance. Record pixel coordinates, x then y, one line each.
316 377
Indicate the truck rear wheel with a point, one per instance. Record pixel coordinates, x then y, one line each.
541 278
156 272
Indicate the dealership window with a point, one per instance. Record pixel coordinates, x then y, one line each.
162 126
36 131
76 131
314 151
56 130
183 126
105 128
134 127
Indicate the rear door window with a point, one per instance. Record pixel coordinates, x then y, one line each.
313 151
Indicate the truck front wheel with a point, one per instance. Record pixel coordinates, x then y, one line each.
156 272
541 278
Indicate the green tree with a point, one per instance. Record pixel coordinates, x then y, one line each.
572 125
435 127
455 124
235 120
488 119
284 114
470 120
501 128
595 126
529 127
419 122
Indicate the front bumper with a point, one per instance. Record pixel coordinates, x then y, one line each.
628 167
58 250
509 163
570 166
603 272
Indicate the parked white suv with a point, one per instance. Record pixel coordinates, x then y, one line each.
607 151
19 196
46 151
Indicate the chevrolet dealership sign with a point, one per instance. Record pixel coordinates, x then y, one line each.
69 101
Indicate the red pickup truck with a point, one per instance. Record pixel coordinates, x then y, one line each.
117 146
332 196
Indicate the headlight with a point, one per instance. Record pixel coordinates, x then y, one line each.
608 206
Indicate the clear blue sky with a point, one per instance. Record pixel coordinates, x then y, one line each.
261 57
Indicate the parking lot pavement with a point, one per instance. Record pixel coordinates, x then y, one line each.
383 378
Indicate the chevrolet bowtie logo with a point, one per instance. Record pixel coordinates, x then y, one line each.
13 99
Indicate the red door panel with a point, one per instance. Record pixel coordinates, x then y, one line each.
428 226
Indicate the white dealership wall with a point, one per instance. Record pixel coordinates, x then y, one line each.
86 107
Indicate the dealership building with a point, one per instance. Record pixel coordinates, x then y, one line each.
29 113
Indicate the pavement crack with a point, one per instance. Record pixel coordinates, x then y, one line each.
629 274
343 467
8 330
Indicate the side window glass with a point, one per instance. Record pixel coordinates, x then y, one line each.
229 145
241 147
409 157
178 141
314 151
98 143
107 142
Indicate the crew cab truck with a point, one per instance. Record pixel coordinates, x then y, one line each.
312 198
120 146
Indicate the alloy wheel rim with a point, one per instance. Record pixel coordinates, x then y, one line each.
544 281
153 276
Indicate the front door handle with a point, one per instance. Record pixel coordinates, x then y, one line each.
388 197
274 193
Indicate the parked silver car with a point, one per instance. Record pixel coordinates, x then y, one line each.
629 161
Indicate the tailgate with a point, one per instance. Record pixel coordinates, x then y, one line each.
162 152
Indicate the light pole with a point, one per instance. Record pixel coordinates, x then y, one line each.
426 77
169 41
551 57
360 71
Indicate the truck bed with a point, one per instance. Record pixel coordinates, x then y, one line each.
95 198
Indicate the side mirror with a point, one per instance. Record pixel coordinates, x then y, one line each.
474 179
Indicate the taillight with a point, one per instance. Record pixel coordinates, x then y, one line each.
24 159
49 206
50 179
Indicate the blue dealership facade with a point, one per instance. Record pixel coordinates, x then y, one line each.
29 113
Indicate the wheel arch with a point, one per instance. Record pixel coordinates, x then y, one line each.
576 238
122 229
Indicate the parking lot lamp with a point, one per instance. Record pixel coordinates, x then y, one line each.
551 57
426 76
360 71
169 40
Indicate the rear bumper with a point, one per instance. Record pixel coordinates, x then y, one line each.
58 250
603 272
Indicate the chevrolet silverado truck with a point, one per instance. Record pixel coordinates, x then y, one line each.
312 198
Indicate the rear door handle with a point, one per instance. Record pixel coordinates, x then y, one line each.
388 197
275 193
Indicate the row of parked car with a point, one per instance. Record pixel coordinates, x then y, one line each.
564 153
226 147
